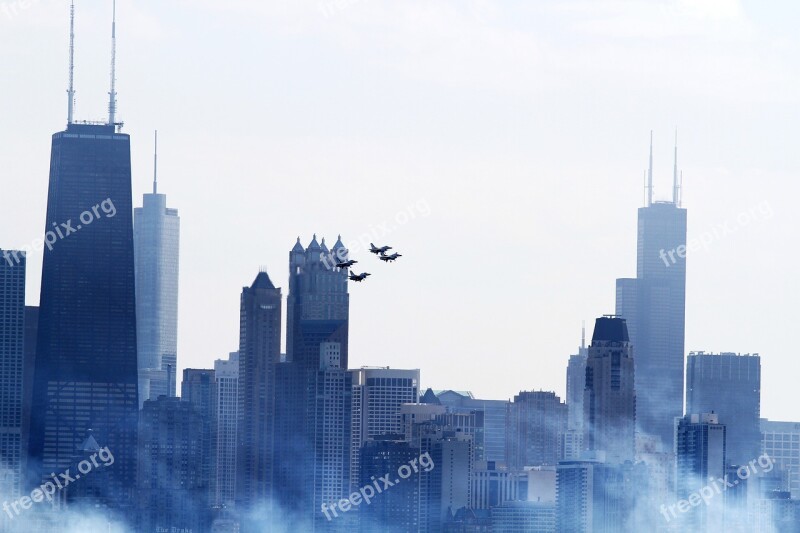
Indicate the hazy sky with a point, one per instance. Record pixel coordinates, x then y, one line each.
502 144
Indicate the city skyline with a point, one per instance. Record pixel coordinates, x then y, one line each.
430 397
729 166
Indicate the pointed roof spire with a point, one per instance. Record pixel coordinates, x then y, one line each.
71 89
324 248
298 247
650 174
339 243
112 95
314 244
262 281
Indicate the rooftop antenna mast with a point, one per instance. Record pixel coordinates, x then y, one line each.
675 184
71 90
112 102
583 335
650 174
155 166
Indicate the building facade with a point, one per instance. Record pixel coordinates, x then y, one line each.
226 374
730 386
174 487
536 421
199 388
700 450
378 394
781 442
495 420
12 376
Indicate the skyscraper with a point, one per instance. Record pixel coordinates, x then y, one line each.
396 509
378 394
730 386
700 454
156 239
447 486
313 388
609 399
199 388
226 374
331 460
596 497
781 441
495 420
654 305
86 372
12 336
576 382
318 305
85 376
259 351
173 485
536 421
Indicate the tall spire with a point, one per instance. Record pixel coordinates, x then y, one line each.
71 90
650 173
112 100
675 184
155 166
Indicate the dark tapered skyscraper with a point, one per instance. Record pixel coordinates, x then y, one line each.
609 400
86 375
259 352
654 305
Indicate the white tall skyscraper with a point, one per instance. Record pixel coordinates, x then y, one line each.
156 239
227 376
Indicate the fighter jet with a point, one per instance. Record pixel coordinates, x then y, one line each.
358 277
382 250
346 264
388 258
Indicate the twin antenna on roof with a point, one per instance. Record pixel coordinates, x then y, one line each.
112 101
677 184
